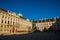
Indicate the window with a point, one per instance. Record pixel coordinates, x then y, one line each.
13 23
9 15
10 31
8 22
2 21
0 29
4 29
5 26
5 22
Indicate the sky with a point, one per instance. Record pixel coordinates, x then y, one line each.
33 9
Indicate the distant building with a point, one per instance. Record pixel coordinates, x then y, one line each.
11 23
54 23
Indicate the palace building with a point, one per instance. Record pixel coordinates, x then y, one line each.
12 23
53 23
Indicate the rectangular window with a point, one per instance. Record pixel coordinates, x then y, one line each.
2 21
8 22
4 29
5 26
0 29
5 22
7 29
13 23
10 31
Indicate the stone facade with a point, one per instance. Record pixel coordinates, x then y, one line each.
47 23
11 23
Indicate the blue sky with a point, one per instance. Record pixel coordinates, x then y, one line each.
33 9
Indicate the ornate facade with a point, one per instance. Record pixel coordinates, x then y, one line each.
47 23
11 23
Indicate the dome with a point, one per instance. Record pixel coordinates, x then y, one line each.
19 14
